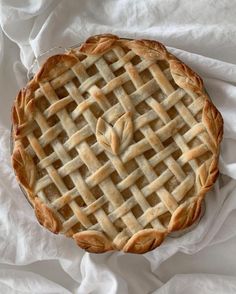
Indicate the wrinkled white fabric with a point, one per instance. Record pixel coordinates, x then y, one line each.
199 283
204 28
20 282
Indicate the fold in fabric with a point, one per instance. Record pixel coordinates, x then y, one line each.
29 28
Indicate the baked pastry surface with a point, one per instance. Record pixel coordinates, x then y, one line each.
116 144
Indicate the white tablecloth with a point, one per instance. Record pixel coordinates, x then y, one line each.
33 260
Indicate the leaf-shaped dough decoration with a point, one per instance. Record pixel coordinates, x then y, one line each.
23 110
46 216
115 139
148 49
213 121
207 173
24 167
55 66
98 44
185 215
107 136
144 240
93 241
184 77
124 130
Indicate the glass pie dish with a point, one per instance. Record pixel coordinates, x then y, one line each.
37 63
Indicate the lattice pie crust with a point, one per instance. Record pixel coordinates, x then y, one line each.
116 143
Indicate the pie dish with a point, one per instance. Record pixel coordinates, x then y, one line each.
116 143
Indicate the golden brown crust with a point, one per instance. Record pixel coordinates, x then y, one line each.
148 49
46 216
93 241
116 139
144 241
213 121
24 168
184 77
98 44
185 215
207 174
23 111
55 66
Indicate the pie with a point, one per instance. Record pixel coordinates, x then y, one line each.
116 143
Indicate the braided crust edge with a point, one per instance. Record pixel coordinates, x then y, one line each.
23 111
